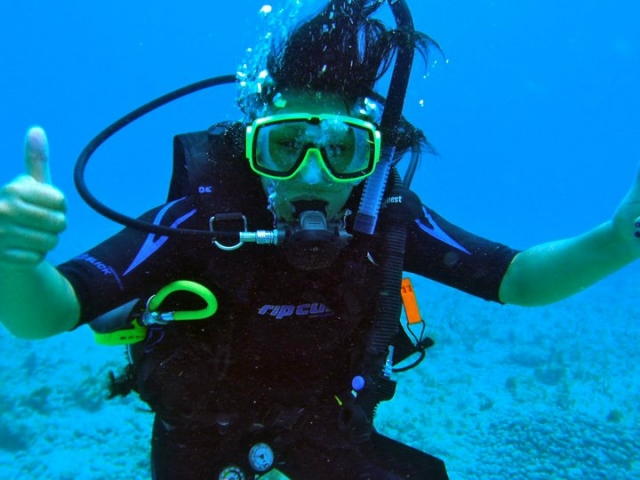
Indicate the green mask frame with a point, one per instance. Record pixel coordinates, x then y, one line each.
280 146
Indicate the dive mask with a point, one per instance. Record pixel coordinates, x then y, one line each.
279 146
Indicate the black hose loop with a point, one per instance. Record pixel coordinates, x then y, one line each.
103 136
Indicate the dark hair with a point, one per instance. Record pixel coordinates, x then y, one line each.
342 49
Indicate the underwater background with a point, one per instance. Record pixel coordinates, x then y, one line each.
535 114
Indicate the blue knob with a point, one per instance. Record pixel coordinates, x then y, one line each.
357 383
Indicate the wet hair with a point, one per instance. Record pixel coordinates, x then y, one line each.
342 49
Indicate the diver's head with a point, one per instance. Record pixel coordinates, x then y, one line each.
328 64
310 152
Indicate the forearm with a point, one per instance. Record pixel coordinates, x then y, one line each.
37 303
552 271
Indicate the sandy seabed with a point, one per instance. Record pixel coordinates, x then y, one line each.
506 393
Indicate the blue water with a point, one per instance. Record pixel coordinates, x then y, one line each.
535 114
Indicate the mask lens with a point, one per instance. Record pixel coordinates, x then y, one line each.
350 152
279 148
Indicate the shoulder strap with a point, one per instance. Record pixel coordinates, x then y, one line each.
190 151
199 158
211 165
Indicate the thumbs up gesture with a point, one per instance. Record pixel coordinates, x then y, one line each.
32 211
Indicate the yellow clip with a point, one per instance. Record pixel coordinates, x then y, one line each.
126 336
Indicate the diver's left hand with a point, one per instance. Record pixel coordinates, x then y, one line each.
626 220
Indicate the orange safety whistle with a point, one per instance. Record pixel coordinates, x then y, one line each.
410 302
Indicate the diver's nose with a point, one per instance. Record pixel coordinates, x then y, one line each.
312 172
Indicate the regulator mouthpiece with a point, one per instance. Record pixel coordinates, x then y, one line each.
312 243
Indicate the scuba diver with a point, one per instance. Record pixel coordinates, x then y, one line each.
267 341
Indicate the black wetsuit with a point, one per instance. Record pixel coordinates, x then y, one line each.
283 345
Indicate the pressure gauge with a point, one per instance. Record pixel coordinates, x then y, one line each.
261 457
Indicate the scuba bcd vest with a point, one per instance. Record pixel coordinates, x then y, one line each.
195 162
208 165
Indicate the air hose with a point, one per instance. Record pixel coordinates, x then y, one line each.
103 136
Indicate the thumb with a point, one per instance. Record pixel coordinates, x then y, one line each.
36 155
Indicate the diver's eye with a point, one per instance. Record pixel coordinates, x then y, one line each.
337 149
287 144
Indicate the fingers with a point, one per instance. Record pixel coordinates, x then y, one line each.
38 216
25 247
25 203
27 189
28 231
36 155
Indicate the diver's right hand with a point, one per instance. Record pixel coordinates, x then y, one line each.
32 211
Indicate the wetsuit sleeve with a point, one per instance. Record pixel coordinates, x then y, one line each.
441 251
134 264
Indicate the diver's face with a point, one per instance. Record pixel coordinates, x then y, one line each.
311 182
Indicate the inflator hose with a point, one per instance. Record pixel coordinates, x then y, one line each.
379 387
389 299
378 384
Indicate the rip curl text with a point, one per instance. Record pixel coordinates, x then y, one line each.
302 310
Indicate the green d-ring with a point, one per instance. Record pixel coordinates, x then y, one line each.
186 286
